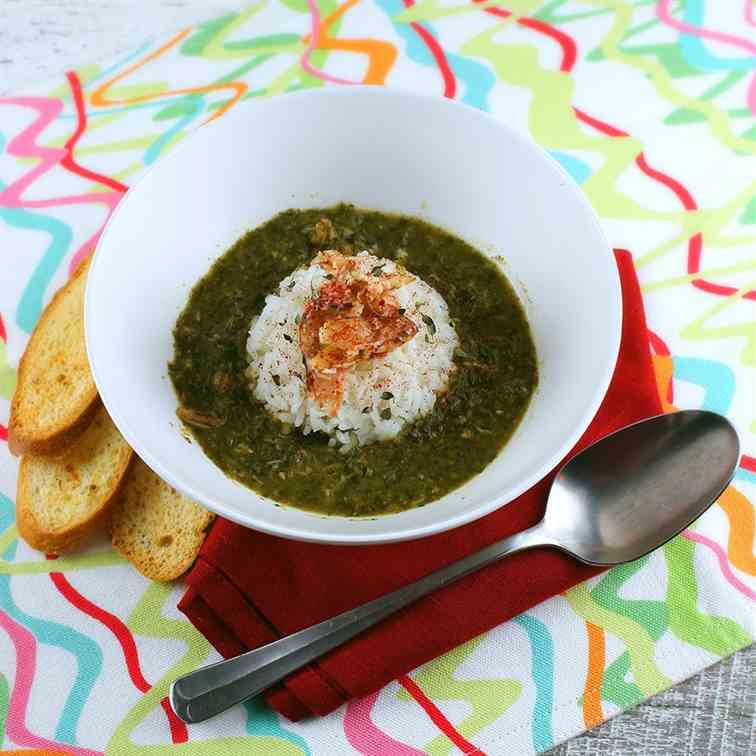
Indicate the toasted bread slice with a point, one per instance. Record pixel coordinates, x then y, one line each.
156 528
60 500
55 397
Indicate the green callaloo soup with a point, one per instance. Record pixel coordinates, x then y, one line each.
488 393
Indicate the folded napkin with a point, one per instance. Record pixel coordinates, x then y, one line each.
247 588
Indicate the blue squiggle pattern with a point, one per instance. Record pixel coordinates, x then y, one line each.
197 105
477 79
543 675
262 720
578 169
694 49
716 379
7 513
87 651
743 474
30 305
121 63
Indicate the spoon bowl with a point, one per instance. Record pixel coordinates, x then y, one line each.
639 487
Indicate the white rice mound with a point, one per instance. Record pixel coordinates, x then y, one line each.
414 375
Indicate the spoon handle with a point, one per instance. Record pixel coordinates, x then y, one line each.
210 690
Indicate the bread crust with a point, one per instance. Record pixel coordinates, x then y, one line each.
57 441
54 542
24 435
143 489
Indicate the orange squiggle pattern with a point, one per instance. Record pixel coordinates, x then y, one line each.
592 711
663 370
740 514
381 54
98 97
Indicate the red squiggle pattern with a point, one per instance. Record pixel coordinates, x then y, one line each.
569 49
748 463
124 637
658 344
69 162
450 82
438 718
25 145
569 57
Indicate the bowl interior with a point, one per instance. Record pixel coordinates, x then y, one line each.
378 149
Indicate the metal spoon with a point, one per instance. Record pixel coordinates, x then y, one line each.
626 495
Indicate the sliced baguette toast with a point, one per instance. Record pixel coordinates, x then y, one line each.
55 397
156 528
60 500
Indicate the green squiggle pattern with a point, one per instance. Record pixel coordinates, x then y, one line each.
615 688
718 635
651 614
634 635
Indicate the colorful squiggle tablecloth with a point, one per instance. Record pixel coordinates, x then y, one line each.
650 107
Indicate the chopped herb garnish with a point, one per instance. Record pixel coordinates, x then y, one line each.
386 414
387 395
365 410
291 285
377 270
297 319
402 310
287 337
276 379
429 324
329 276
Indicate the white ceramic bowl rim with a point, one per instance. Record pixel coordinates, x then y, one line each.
337 535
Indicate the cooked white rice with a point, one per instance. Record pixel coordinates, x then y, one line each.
414 375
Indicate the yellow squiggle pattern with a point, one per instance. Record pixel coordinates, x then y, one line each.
45 566
488 699
699 331
637 639
718 121
147 619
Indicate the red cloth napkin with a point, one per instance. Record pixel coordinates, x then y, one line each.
247 588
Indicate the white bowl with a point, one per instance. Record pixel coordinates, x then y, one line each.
432 158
